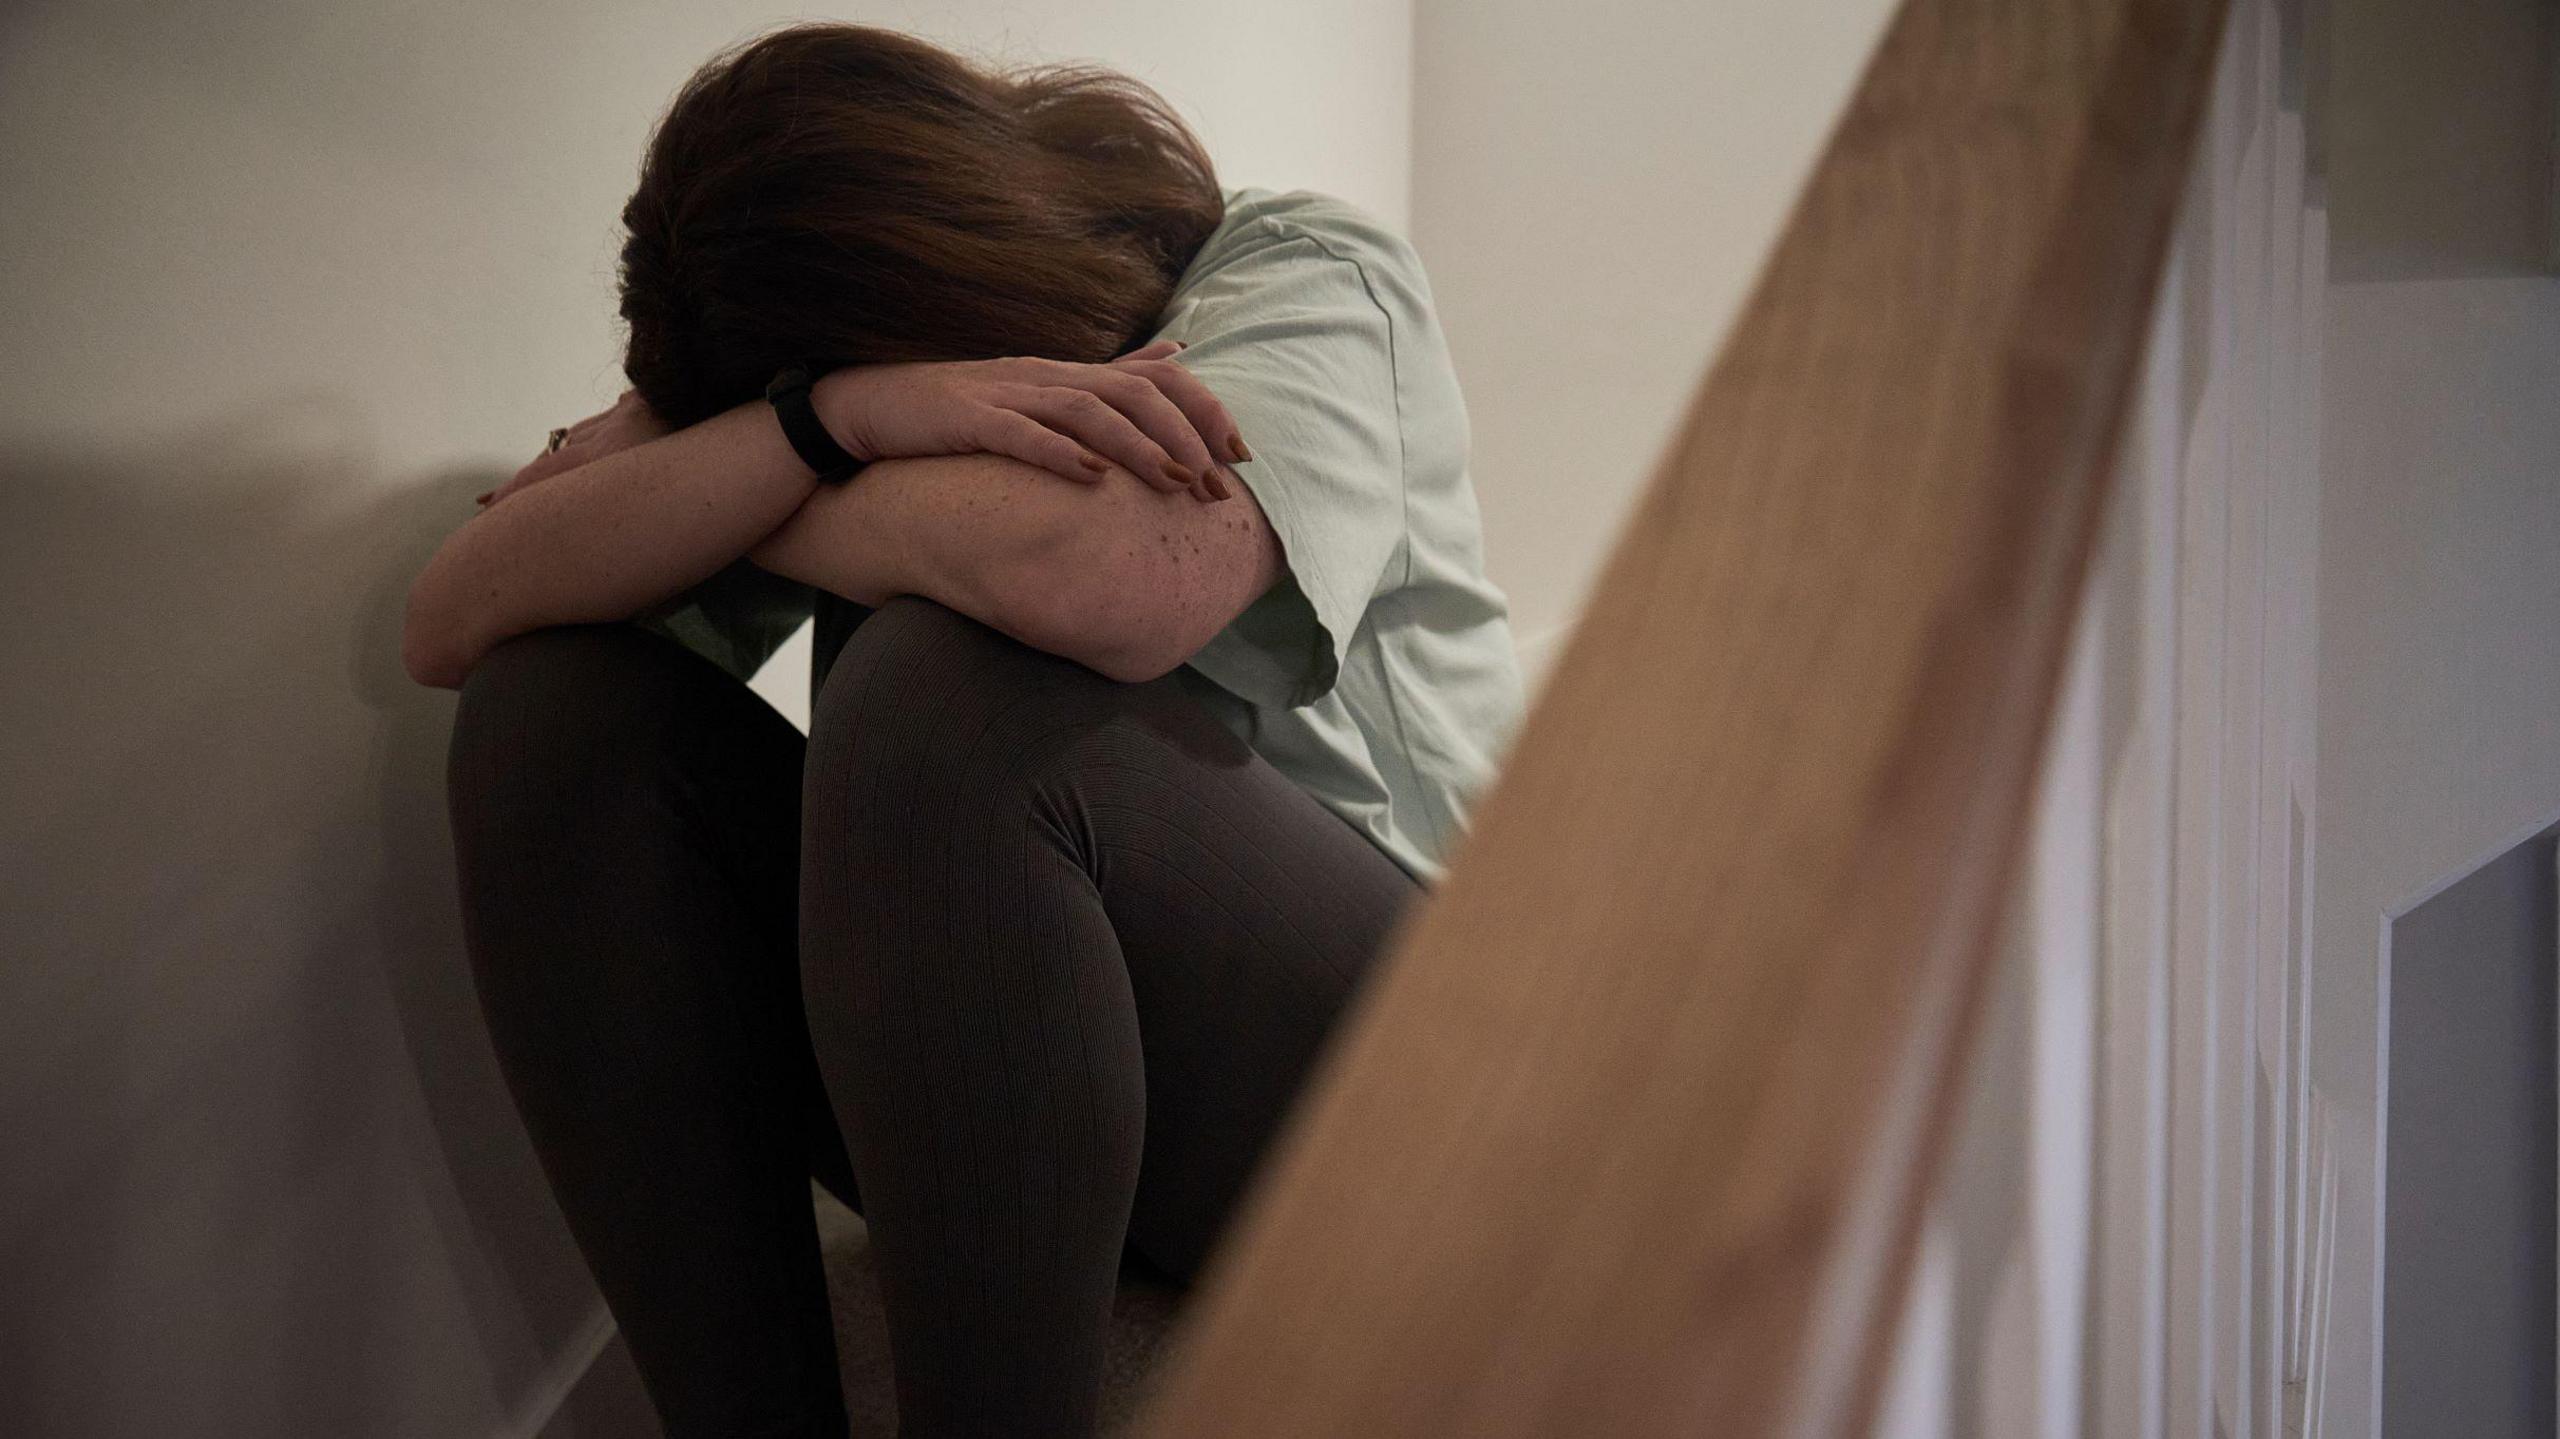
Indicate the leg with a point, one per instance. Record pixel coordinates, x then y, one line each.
1069 948
626 829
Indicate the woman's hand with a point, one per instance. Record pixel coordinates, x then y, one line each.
628 421
1141 411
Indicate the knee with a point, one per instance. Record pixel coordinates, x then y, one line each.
922 695
551 718
916 671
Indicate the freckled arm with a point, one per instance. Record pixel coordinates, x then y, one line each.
1121 577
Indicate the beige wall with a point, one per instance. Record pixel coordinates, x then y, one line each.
2439 531
1594 188
2439 666
286 283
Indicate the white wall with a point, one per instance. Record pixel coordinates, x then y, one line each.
286 283
2439 541
1594 189
2440 670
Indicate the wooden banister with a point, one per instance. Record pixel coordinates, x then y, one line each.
1630 1133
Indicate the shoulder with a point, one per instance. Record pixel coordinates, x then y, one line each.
1339 227
1309 230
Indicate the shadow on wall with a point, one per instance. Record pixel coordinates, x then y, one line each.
263 1175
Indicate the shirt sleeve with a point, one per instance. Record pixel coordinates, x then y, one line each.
1291 338
736 619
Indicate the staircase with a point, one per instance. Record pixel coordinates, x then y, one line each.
1871 999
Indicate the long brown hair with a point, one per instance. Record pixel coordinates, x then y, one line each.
841 195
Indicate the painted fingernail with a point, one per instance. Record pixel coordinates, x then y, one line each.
1236 450
1219 483
1175 470
484 496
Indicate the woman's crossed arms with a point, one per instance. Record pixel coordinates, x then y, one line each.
1129 567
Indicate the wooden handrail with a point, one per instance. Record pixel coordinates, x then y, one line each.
1630 1134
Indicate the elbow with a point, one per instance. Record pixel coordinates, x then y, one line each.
430 647
1135 662
431 662
1122 627
1083 591
436 670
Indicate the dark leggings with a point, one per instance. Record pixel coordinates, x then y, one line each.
1042 957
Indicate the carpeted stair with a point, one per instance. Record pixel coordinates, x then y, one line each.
1141 1320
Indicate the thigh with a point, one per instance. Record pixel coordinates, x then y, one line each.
626 818
1007 836
1248 915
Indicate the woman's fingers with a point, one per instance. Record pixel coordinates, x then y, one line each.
1169 403
1141 412
1152 410
542 466
1128 389
1209 418
1018 436
567 455
580 429
1087 417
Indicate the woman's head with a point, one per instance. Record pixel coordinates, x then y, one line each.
844 195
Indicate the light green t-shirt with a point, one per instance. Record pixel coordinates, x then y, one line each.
1379 674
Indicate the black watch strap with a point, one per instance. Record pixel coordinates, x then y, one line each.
789 396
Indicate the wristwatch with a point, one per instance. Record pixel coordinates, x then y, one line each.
789 395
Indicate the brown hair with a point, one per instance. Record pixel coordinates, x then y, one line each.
842 195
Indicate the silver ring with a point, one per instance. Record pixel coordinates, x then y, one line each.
559 437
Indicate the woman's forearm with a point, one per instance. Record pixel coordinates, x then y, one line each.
603 541
1123 578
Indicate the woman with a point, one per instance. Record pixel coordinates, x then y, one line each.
1156 668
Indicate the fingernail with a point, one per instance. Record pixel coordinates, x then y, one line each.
1178 344
1219 483
1236 450
1176 470
1094 462
484 496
